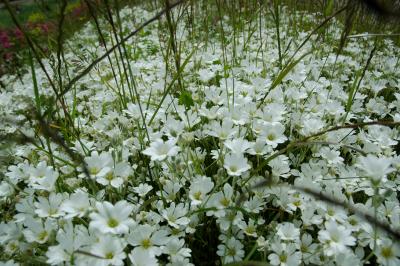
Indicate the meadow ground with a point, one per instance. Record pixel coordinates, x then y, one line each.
240 133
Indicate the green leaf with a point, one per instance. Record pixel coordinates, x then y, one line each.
186 99
329 8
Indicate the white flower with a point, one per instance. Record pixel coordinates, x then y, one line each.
287 231
206 75
98 164
259 148
238 116
9 263
231 250
230 218
175 215
139 257
199 189
331 156
159 150
110 249
220 201
18 172
388 253
6 189
77 204
262 243
273 134
335 238
280 166
43 177
375 167
239 145
307 247
174 248
38 231
273 112
148 239
254 204
69 240
221 131
114 176
142 189
249 229
348 259
236 164
112 218
170 190
50 207
284 255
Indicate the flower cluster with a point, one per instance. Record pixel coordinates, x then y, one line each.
147 178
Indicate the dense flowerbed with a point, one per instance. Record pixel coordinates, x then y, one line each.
218 172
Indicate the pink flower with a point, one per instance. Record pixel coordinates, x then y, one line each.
5 40
8 56
45 28
18 34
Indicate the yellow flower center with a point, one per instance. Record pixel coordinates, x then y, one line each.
110 176
387 252
109 255
197 195
94 171
42 235
271 137
231 252
146 243
112 223
225 202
